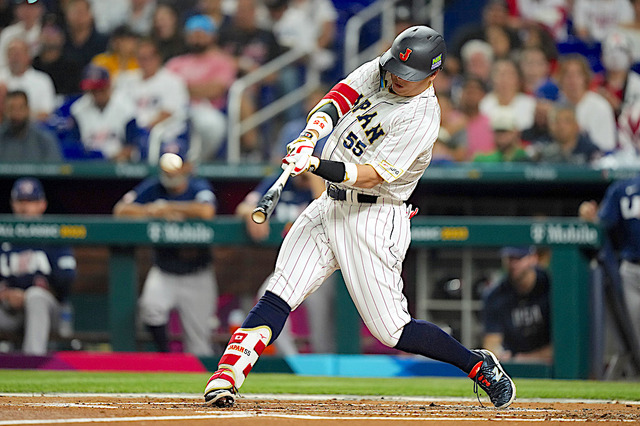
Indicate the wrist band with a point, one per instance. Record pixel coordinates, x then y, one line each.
350 174
333 171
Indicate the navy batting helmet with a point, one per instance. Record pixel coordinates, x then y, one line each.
415 54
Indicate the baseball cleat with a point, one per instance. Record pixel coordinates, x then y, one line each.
220 398
491 377
221 390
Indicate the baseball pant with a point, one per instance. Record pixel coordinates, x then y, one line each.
195 296
630 275
41 312
367 242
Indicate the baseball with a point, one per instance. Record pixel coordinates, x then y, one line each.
170 162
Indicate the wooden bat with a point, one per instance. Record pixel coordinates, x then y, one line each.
268 202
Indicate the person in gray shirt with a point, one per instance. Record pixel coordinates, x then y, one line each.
20 139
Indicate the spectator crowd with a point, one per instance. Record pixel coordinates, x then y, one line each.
541 81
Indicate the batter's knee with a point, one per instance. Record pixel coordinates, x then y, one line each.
387 336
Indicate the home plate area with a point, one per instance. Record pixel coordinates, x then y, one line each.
78 409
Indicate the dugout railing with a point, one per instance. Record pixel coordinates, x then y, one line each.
566 237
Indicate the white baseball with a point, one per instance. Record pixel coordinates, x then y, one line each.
170 162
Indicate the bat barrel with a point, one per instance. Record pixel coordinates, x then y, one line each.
259 215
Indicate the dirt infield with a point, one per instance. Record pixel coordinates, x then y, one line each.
297 410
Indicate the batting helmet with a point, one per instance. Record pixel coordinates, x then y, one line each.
415 54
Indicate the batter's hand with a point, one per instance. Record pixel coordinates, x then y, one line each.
306 139
303 162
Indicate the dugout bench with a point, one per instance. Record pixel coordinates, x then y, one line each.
566 237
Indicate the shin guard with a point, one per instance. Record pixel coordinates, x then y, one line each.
244 349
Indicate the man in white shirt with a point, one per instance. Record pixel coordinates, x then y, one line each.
20 75
28 27
161 99
103 118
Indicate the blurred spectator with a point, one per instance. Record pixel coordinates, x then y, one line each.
27 28
517 312
453 132
166 31
161 99
477 60
594 19
122 52
568 145
64 72
208 72
252 47
83 41
109 14
20 75
501 42
140 16
506 82
536 36
103 121
180 278
479 130
21 140
296 196
595 115
508 145
632 31
315 35
241 37
618 84
35 280
536 74
213 9
551 14
494 12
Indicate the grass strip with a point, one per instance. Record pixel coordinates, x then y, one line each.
39 381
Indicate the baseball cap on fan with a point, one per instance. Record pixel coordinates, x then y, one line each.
94 78
27 189
503 120
200 23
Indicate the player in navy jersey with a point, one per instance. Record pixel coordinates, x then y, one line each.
34 279
182 277
619 215
517 310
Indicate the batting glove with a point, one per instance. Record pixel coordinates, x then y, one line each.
303 162
305 139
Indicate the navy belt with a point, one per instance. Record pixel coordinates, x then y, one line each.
341 195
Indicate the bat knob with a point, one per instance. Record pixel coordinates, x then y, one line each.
259 216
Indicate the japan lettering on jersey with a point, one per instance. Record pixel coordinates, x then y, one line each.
393 134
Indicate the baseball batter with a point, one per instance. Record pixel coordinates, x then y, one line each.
384 120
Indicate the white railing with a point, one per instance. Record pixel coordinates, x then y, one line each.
240 125
385 9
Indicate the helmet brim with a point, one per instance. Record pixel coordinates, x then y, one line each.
390 64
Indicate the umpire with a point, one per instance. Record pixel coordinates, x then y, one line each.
181 277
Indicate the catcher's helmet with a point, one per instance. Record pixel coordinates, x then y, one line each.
415 54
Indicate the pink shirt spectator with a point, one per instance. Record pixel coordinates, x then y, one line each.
479 136
216 66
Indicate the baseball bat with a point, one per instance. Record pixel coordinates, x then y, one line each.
268 202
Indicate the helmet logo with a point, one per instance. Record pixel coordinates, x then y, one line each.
404 56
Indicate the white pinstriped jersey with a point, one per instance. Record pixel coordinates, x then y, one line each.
394 134
366 241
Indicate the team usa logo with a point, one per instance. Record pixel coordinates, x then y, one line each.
404 56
